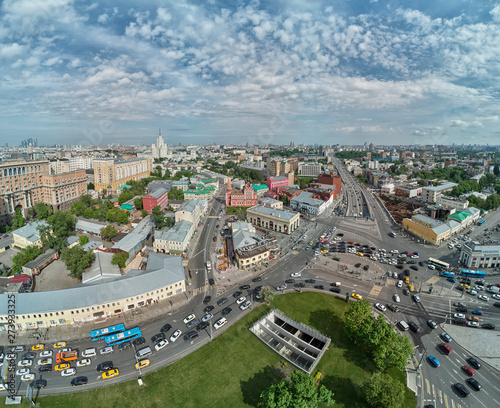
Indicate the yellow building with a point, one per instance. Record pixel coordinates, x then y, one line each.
427 228
110 174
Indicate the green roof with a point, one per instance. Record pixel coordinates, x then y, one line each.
124 186
257 187
210 180
205 190
460 216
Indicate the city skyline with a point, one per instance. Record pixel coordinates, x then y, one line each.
257 73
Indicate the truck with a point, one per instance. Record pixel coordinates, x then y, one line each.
493 289
67 356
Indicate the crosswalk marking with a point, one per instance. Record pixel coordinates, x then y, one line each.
446 400
440 396
375 291
428 386
432 280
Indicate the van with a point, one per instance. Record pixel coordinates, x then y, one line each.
144 352
403 325
89 352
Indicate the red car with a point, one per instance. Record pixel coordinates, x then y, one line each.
468 370
350 242
215 239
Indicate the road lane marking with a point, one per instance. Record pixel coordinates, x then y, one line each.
440 396
427 386
446 400
453 403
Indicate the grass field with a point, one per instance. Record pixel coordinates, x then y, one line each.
232 370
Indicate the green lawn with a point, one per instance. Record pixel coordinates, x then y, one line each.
232 370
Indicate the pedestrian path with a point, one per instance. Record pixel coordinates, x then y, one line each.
432 280
375 291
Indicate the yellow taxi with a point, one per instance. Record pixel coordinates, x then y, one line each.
143 363
357 296
37 347
411 288
324 251
61 367
110 373
60 344
359 254
465 285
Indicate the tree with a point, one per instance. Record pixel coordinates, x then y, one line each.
83 239
125 196
24 256
120 259
90 186
176 194
168 222
42 211
266 294
77 260
299 392
60 226
144 213
18 221
381 391
108 232
356 317
138 203
159 216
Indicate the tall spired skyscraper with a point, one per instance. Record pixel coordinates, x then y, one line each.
160 149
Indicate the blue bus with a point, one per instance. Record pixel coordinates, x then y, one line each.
123 336
447 274
472 274
106 331
481 221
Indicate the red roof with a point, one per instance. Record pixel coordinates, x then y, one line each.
20 278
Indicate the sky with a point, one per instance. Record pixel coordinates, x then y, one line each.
257 72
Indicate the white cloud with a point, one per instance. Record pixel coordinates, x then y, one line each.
103 18
11 50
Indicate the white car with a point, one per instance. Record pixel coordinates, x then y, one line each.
458 316
65 349
207 317
473 324
396 298
241 300
28 377
380 306
46 353
431 267
44 361
496 296
22 371
219 323
68 372
281 287
483 297
25 363
83 363
175 335
394 251
245 305
161 344
400 284
296 275
187 319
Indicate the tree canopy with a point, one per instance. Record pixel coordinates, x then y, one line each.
77 260
381 391
298 392
60 226
120 259
159 216
108 232
24 256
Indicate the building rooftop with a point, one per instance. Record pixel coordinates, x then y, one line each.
460 215
102 269
305 198
177 233
157 193
258 187
88 226
441 187
272 212
30 231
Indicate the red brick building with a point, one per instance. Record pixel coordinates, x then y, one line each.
241 198
328 181
156 198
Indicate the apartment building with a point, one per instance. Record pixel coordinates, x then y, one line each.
62 190
110 174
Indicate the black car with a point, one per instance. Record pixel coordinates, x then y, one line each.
392 307
138 341
366 267
357 265
319 287
411 262
211 281
335 290
421 263
237 294
335 258
399 266
257 279
474 363
488 326
415 268
193 334
496 304
226 311
220 302
406 272
165 328
107 365
45 367
157 337
29 356
310 280
208 309
124 346
414 327
300 285
244 287
256 290
79 381
290 281
207 300
461 390
474 384
462 309
40 383
202 326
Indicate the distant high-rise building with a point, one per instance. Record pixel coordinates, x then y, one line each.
160 149
371 147
321 151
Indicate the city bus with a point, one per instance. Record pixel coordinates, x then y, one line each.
123 336
472 274
481 221
440 265
106 331
447 274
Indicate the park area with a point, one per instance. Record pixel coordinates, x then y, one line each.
233 369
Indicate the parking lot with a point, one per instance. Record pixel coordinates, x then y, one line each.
54 277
